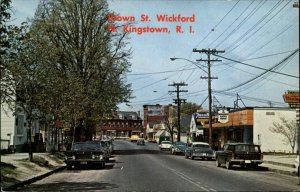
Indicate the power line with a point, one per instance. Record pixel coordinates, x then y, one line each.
268 70
265 72
247 35
242 12
218 23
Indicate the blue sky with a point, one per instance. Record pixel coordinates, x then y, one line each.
259 33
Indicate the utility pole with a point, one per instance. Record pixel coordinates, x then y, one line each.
178 101
209 78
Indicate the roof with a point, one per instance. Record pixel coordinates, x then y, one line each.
240 144
201 143
131 115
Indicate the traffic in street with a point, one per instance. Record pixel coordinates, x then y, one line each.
135 167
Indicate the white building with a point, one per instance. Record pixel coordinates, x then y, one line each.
14 129
263 119
7 128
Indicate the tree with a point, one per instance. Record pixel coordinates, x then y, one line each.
288 129
90 61
189 108
10 42
168 121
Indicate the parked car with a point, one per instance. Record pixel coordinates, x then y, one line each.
297 167
178 148
134 138
152 140
165 145
109 146
239 154
104 148
140 142
199 150
84 153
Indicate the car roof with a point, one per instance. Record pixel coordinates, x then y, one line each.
201 143
241 144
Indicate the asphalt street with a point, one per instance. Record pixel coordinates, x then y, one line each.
145 168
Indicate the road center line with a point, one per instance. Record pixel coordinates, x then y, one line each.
188 179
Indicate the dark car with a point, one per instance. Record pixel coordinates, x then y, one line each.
84 153
239 154
199 150
108 145
178 148
104 148
140 142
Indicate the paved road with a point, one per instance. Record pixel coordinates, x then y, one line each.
145 168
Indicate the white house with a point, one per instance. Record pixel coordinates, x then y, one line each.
14 129
263 119
7 127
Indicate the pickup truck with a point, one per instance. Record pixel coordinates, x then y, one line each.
239 154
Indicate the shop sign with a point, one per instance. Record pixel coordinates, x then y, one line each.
199 132
292 98
202 115
223 116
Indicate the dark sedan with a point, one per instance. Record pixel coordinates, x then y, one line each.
178 148
199 150
84 153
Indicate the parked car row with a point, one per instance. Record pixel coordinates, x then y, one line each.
242 154
89 153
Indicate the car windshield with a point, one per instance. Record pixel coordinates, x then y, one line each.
86 146
179 144
201 145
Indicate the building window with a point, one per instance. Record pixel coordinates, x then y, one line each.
270 113
20 124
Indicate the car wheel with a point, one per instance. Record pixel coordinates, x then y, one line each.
102 165
69 166
218 164
192 157
186 156
254 166
228 164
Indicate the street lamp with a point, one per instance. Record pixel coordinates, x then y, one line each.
193 62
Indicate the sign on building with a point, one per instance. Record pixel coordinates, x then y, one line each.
223 116
155 110
292 98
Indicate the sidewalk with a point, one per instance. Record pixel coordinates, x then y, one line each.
284 164
17 170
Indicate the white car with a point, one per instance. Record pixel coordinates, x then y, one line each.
165 145
297 167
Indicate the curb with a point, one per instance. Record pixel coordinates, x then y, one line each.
31 180
280 164
280 171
